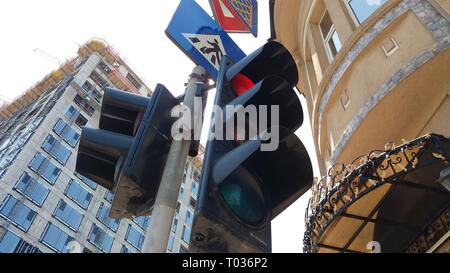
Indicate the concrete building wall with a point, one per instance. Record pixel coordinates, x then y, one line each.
180 235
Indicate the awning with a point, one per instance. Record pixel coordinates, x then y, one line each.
387 203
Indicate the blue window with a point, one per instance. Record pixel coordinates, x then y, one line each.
181 193
56 149
196 176
103 216
194 189
100 238
69 135
32 189
17 212
44 168
78 194
174 225
81 121
55 238
68 215
364 8
177 209
87 181
189 217
142 221
71 113
2 172
186 236
134 237
125 249
9 242
192 203
109 195
171 241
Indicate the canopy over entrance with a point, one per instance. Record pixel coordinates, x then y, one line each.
392 202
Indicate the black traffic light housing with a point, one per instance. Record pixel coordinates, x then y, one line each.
242 187
128 152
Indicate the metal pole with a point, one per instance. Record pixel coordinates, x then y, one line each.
166 200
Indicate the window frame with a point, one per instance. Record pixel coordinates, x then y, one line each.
62 136
93 241
145 225
108 193
82 179
181 193
190 218
73 199
48 161
85 106
62 220
174 225
101 220
353 15
194 189
185 228
49 224
16 237
141 236
329 37
52 147
82 117
171 242
13 222
72 118
25 194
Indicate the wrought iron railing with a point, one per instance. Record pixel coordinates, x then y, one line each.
344 183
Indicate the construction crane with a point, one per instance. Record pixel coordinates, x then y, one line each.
46 55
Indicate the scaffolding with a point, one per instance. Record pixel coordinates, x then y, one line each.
7 108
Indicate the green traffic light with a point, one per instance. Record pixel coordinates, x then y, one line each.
243 195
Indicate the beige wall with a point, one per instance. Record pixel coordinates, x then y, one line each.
444 4
394 93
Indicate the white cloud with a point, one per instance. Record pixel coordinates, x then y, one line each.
374 2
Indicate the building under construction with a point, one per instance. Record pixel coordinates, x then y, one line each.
45 206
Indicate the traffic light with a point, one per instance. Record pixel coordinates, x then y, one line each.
128 152
243 187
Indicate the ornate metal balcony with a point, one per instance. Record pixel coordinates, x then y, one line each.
388 198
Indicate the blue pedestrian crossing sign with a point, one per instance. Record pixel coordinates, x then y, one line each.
201 38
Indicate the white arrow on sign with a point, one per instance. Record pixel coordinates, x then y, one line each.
210 46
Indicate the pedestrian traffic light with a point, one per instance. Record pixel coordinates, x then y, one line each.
243 187
128 152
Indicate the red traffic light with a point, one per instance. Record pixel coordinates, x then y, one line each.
241 84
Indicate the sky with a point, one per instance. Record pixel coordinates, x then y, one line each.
38 35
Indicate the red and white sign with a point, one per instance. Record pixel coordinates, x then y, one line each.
227 17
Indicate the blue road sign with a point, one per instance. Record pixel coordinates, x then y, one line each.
248 11
201 38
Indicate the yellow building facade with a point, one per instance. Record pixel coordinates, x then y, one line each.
373 72
389 81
